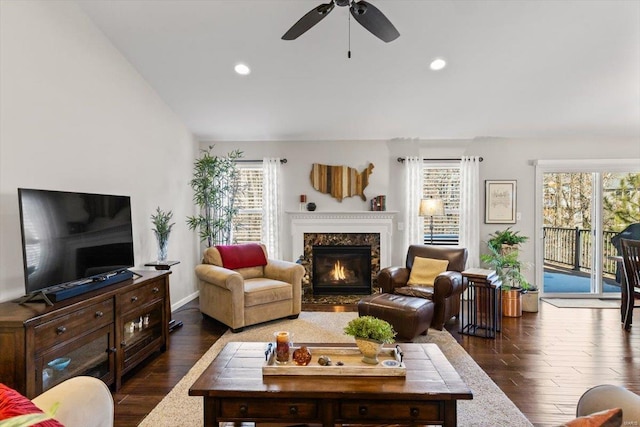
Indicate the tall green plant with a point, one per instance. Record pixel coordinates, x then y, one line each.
215 186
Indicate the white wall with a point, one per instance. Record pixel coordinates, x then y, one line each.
76 116
504 158
295 173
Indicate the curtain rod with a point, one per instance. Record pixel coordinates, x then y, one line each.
401 160
256 161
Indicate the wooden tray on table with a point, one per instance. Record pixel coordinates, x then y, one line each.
390 363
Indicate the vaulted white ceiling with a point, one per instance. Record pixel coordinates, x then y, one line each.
516 68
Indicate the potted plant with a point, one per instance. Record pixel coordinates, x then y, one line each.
506 240
162 228
530 300
215 186
370 334
503 257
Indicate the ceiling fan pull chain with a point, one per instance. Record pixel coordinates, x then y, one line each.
349 31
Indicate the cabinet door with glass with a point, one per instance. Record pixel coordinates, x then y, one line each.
92 354
142 334
143 325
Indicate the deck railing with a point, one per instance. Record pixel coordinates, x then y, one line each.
564 247
573 247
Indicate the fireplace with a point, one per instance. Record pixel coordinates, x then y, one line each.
308 229
341 270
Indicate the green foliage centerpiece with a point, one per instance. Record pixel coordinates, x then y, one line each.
370 334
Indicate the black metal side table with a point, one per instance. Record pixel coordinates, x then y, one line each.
166 265
482 309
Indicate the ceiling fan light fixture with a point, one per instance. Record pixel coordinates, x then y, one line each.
358 8
364 12
438 64
242 69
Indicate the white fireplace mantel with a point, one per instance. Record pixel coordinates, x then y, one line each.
380 222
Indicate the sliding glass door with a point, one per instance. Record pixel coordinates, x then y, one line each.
582 208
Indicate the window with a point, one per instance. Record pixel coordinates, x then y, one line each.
247 224
442 181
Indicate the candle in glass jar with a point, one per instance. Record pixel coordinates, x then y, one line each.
303 198
283 346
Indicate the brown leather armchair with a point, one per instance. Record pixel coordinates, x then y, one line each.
447 287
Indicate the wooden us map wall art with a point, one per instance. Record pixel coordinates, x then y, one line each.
340 181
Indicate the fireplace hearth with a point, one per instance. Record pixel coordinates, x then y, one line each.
341 270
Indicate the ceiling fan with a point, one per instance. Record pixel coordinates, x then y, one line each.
364 12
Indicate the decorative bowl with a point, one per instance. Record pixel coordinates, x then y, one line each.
60 363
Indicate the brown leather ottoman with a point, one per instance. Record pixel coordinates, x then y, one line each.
409 316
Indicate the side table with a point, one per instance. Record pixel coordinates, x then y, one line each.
161 265
166 265
482 311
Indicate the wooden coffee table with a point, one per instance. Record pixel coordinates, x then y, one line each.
235 390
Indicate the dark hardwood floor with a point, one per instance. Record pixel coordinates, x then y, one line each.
542 361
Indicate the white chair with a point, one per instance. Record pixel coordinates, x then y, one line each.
83 402
606 396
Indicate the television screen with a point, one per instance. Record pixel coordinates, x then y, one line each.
69 237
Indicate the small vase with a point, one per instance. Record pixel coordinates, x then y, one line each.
369 349
163 246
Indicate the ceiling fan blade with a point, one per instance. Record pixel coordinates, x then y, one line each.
373 20
309 20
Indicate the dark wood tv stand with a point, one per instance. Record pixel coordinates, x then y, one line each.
105 333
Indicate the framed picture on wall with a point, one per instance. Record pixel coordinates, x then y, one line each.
500 202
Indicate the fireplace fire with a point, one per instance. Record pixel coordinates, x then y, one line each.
338 272
341 270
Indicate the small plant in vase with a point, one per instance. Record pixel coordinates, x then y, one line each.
370 334
162 228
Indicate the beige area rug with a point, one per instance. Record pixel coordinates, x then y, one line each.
583 302
489 407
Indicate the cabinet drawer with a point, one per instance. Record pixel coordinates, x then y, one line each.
73 324
399 411
268 408
141 296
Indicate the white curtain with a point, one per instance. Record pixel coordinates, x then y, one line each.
470 209
271 216
414 225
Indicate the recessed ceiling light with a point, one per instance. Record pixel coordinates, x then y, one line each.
242 69
438 64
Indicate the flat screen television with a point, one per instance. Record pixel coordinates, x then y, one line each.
71 238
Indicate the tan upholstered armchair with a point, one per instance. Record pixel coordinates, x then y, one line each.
447 286
240 286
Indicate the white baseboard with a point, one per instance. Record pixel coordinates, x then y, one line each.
176 305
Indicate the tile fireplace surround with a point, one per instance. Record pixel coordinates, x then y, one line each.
361 227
